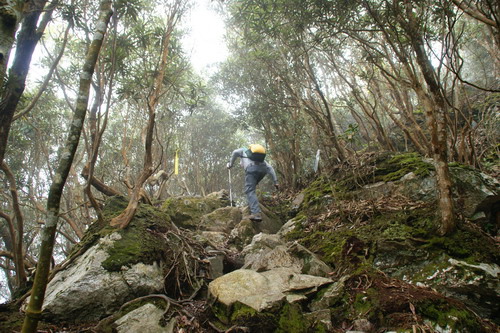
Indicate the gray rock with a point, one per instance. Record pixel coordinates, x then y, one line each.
211 239
472 191
475 285
265 290
329 296
144 319
320 317
288 227
187 211
85 291
267 252
363 325
216 262
221 220
245 286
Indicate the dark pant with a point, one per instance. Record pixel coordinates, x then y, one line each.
253 175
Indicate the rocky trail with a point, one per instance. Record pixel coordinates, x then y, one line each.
343 255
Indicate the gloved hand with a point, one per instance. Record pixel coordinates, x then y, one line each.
228 165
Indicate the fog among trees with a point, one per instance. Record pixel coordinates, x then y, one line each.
81 122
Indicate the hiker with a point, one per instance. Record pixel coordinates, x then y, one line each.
252 160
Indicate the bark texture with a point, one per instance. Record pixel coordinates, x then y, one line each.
33 310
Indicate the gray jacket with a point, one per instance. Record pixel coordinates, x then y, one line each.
245 162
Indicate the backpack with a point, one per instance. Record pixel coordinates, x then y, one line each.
256 153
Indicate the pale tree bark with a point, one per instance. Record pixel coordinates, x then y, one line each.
435 109
123 220
17 238
96 131
27 39
10 15
470 9
33 310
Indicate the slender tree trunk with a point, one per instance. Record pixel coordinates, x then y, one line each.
18 237
435 108
126 216
329 117
34 308
27 39
97 132
10 15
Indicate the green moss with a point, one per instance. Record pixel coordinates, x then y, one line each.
403 224
447 315
467 244
221 312
186 211
291 320
242 312
429 268
288 318
316 195
397 166
362 305
385 167
244 315
113 207
139 242
326 244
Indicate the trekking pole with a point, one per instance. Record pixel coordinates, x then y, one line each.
230 189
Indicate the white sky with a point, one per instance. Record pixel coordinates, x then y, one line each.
205 36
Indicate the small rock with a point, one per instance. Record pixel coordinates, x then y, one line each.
363 325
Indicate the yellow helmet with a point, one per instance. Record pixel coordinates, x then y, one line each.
256 148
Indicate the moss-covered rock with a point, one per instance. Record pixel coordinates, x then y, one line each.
384 230
391 304
187 211
222 219
142 241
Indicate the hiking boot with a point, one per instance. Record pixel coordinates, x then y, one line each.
255 217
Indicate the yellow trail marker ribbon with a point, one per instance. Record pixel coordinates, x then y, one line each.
176 162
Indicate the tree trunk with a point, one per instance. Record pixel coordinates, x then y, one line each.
435 109
19 229
54 199
126 216
10 15
27 39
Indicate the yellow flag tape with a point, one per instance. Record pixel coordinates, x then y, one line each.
176 162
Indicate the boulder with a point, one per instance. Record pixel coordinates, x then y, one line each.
267 252
477 286
265 290
85 291
146 318
289 226
242 234
187 211
220 220
473 191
